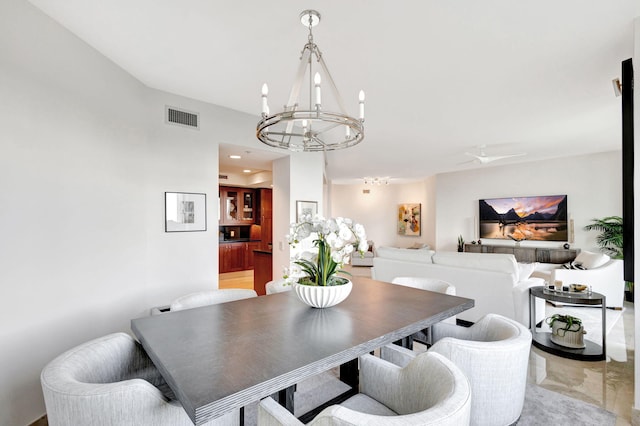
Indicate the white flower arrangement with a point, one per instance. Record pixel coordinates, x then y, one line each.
333 241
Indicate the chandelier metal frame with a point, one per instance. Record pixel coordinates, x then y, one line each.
310 129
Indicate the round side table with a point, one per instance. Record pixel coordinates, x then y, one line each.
542 340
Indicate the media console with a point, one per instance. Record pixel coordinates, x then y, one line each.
527 254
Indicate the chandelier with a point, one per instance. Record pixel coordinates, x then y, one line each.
309 127
376 180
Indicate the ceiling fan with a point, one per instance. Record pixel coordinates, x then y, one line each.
483 158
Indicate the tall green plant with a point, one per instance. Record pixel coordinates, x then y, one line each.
610 237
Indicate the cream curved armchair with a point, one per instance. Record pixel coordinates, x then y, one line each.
111 381
210 297
277 286
494 355
430 284
430 390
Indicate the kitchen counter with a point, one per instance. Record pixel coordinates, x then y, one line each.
262 270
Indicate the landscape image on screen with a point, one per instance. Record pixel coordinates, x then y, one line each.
524 218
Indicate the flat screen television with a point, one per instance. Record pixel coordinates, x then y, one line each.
542 218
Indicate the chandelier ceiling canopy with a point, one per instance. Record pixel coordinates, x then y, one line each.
304 125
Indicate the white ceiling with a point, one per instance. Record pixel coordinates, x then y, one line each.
441 77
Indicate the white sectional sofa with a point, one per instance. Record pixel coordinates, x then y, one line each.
496 282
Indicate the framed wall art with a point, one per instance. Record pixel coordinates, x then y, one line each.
185 212
306 208
409 223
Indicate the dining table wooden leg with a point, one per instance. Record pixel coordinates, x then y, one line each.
285 397
349 373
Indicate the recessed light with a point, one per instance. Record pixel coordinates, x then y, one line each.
247 171
235 157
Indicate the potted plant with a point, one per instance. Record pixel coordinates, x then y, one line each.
566 330
327 245
460 244
610 241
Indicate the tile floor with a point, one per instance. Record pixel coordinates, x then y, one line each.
606 384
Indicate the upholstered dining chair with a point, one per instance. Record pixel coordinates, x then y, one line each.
430 284
276 286
430 390
111 381
211 297
494 354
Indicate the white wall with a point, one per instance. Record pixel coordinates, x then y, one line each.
85 161
297 177
592 183
280 222
378 210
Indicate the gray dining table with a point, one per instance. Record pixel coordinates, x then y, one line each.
222 357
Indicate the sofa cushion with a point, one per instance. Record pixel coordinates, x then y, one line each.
419 246
407 255
544 270
497 262
525 270
590 260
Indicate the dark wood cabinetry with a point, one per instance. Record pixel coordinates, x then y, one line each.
237 206
248 258
263 271
231 257
265 217
245 214
527 254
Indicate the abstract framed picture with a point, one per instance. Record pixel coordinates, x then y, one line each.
306 208
185 212
409 221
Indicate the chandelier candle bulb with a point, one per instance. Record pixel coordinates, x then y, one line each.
317 80
361 98
265 92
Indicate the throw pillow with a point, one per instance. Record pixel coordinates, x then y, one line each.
419 246
525 270
590 260
573 265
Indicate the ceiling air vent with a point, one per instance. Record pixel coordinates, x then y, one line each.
223 177
182 118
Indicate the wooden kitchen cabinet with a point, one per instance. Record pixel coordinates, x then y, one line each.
237 206
248 257
231 257
265 217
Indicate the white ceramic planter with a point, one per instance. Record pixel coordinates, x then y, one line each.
572 338
321 296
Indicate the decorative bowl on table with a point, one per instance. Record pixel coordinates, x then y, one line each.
322 296
577 287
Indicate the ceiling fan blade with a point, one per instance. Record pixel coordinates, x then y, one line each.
468 162
489 159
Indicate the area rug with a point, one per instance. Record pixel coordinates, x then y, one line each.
541 406
546 408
